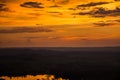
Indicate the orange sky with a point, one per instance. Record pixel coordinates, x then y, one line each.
59 23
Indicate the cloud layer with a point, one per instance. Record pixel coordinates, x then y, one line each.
102 12
25 30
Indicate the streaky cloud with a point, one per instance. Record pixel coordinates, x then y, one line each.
55 6
92 4
103 24
118 20
102 12
3 8
6 1
32 5
25 30
116 0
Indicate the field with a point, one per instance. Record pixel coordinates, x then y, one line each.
72 63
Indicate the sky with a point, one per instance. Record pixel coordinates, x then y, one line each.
59 23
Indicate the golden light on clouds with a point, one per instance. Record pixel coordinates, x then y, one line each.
64 23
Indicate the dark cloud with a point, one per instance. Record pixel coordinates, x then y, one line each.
116 0
5 1
25 30
113 21
71 9
3 8
117 20
32 5
2 5
92 4
102 12
108 22
103 24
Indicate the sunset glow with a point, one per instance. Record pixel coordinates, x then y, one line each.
59 23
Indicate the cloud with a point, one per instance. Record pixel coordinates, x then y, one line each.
34 14
54 12
59 1
71 9
106 23
116 0
102 24
29 39
118 20
32 37
2 1
63 1
102 12
3 8
92 4
70 38
54 6
112 21
2 5
32 5
5 1
25 30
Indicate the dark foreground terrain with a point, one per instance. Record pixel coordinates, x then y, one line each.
72 63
